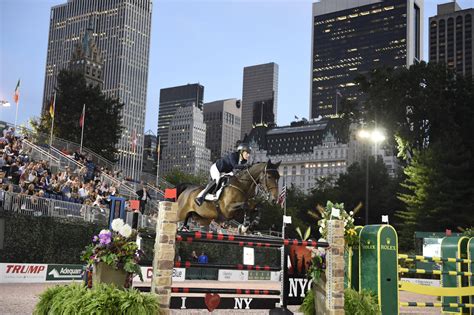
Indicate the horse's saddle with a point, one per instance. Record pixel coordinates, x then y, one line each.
217 190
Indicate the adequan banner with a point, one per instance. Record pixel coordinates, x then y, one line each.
64 272
22 273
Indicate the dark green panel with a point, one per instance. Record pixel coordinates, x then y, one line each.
355 262
388 244
453 247
470 256
379 257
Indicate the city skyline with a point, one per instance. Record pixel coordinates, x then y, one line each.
183 50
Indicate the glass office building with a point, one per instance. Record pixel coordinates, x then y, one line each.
353 37
121 30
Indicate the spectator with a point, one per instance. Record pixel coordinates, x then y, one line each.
203 258
143 196
194 257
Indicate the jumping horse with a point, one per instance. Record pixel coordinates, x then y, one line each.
259 180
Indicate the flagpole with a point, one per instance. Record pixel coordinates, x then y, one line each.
336 102
83 123
16 115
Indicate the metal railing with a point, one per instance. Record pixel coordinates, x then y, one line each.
37 153
38 206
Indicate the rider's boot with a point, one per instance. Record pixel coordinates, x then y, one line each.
200 198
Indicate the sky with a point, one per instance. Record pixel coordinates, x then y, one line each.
205 41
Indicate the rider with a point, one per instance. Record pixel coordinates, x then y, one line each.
226 164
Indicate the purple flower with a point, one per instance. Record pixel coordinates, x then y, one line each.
105 237
95 239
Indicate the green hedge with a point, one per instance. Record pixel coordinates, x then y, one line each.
44 239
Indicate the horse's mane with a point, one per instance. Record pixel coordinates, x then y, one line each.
272 168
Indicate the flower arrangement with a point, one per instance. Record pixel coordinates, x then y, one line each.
336 211
116 248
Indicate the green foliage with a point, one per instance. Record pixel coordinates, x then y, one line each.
316 268
364 303
102 128
306 234
44 239
176 176
308 307
428 109
101 299
350 235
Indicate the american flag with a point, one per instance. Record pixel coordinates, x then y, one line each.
282 197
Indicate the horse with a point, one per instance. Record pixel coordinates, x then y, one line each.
257 180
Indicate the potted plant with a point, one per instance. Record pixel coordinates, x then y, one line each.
113 255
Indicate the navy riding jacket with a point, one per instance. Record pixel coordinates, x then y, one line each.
230 162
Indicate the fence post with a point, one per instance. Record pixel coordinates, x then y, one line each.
163 260
335 268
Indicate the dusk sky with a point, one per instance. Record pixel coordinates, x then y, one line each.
191 41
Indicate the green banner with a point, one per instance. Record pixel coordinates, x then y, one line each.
64 272
453 247
378 251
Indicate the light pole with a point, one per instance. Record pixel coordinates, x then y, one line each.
374 136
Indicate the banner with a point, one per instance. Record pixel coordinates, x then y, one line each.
233 275
22 273
64 272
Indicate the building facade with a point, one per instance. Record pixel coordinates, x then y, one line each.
308 151
86 58
173 98
121 31
186 149
313 151
451 38
350 38
260 89
150 153
222 119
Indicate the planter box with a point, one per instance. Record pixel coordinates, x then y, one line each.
103 273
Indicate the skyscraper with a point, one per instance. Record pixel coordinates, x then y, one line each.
121 31
451 37
350 38
150 153
186 149
222 119
260 87
173 98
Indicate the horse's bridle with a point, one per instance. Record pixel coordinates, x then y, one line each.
262 190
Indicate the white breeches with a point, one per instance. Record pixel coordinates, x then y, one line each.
215 174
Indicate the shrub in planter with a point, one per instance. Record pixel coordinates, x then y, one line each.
102 299
363 303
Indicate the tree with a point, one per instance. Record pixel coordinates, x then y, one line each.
102 127
429 110
176 176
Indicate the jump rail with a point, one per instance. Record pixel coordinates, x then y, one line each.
435 272
244 240
225 291
432 259
187 264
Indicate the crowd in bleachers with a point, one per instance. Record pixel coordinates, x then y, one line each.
19 173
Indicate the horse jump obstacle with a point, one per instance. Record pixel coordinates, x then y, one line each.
163 262
378 251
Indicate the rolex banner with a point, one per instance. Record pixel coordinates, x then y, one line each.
378 251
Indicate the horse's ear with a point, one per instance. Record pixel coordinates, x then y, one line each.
277 165
269 163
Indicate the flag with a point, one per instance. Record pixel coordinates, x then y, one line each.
52 106
134 140
338 93
83 116
16 95
282 197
